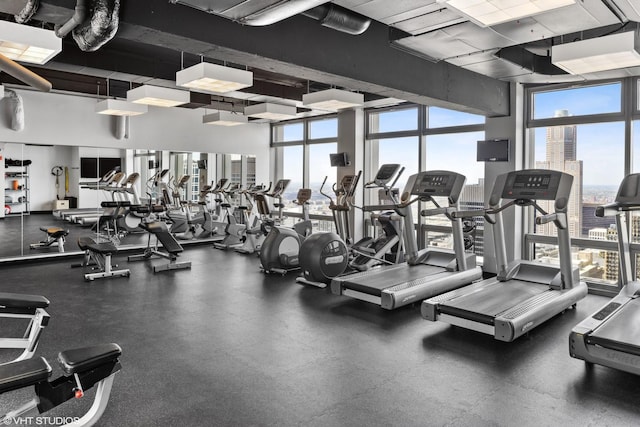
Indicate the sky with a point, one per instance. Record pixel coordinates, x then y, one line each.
600 146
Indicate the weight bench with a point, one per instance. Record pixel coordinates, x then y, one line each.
100 254
23 306
171 247
55 237
83 368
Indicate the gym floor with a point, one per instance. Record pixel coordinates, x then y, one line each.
225 345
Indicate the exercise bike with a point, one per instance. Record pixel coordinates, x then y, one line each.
281 248
83 369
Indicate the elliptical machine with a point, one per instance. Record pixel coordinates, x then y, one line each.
281 248
328 255
333 246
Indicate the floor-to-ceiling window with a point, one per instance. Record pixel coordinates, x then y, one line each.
429 138
302 156
582 130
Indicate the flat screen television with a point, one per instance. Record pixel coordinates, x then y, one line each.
493 150
202 164
338 159
94 167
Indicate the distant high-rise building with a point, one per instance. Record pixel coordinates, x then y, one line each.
472 198
591 221
611 260
561 143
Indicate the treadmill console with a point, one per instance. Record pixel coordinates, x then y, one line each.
536 184
386 174
438 184
629 191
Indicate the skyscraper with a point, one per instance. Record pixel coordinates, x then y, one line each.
561 152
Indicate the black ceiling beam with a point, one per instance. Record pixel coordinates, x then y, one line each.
299 47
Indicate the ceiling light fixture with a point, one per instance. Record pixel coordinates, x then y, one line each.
600 54
332 99
214 78
224 118
270 111
158 96
492 12
24 43
116 107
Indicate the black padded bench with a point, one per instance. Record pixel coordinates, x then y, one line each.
83 369
28 307
170 245
25 373
55 237
100 253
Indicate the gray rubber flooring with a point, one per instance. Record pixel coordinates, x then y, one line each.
225 345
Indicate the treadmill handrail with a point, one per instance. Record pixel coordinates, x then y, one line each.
446 211
615 208
558 218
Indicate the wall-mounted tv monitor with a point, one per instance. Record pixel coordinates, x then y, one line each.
202 164
153 164
339 159
493 150
93 167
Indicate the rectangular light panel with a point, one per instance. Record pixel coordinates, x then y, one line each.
492 12
224 118
158 96
332 99
116 107
214 78
270 111
24 43
600 54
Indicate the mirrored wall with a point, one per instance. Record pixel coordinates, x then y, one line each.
71 188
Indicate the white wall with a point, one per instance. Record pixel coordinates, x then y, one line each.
42 182
70 120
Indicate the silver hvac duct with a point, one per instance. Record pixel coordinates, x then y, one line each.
79 15
27 12
23 74
102 26
339 18
121 127
279 11
17 109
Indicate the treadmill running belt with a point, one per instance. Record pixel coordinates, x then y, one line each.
374 284
622 331
483 306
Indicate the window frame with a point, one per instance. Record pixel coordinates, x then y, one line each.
305 143
422 131
630 111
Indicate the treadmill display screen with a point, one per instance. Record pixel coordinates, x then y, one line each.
432 185
540 182
537 184
434 180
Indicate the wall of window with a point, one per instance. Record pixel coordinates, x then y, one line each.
588 132
302 151
429 138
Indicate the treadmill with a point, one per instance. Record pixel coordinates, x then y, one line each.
611 336
524 294
426 272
